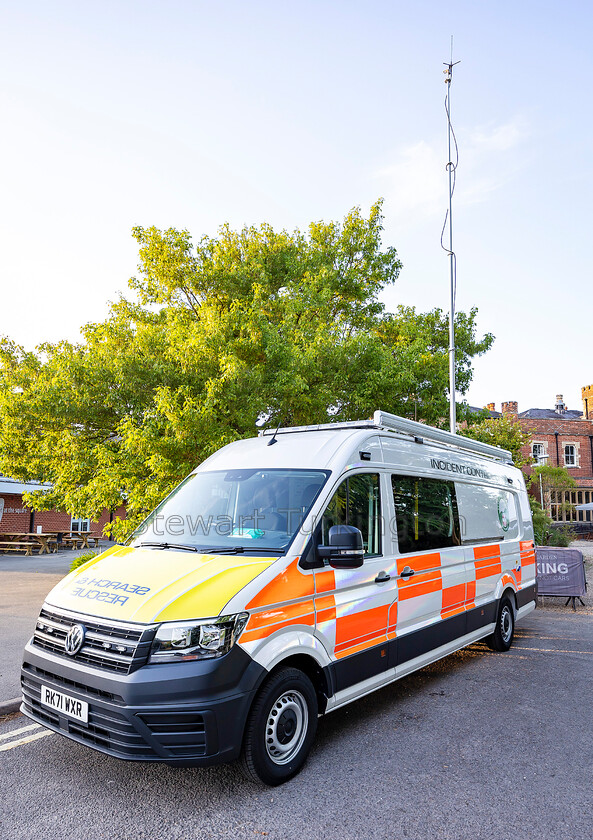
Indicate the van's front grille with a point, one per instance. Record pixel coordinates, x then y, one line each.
106 728
159 735
109 645
180 733
63 684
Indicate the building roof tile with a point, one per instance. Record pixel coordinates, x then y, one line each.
549 413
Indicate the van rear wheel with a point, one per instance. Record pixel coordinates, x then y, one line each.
280 728
502 638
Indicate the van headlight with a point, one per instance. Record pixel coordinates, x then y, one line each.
180 641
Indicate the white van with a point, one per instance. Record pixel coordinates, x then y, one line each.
288 575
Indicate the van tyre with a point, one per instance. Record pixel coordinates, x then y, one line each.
280 728
502 638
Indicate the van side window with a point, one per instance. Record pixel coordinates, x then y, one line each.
487 513
425 513
357 502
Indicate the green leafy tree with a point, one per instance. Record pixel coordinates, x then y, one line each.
509 434
506 433
249 325
554 480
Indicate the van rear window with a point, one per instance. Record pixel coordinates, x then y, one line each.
426 513
487 513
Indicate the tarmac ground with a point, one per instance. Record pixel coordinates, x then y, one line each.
477 746
24 583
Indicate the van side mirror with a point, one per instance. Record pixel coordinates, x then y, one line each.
345 549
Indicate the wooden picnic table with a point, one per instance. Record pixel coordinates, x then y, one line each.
72 538
12 545
47 541
27 541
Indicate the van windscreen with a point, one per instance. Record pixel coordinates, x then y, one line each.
236 510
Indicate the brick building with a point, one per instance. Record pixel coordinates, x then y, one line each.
16 517
561 438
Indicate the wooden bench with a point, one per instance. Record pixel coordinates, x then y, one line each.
26 547
73 542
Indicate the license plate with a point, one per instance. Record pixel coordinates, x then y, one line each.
63 703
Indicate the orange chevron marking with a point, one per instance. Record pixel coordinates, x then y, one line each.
487 561
353 628
325 581
412 588
263 632
292 583
419 562
453 595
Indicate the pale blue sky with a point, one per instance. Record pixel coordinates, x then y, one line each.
189 114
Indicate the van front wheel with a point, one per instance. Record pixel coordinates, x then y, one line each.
280 728
502 638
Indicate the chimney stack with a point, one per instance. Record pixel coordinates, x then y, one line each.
560 406
587 395
490 407
510 409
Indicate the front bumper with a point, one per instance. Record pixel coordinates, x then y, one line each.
190 713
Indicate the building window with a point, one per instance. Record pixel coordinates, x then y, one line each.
563 506
570 455
538 452
78 524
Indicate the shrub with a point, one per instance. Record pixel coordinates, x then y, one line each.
542 524
545 532
560 537
83 558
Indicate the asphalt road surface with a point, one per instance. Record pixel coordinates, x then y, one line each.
24 583
479 745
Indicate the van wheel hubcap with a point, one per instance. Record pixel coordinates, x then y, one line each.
286 727
506 624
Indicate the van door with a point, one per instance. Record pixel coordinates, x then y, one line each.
490 529
352 605
431 566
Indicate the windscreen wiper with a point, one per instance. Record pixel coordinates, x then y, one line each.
240 549
233 549
164 545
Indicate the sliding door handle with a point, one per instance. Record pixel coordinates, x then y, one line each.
407 572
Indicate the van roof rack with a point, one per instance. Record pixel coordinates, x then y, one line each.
393 423
411 427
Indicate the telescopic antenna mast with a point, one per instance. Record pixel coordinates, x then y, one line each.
451 169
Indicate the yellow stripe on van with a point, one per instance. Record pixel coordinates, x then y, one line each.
134 584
